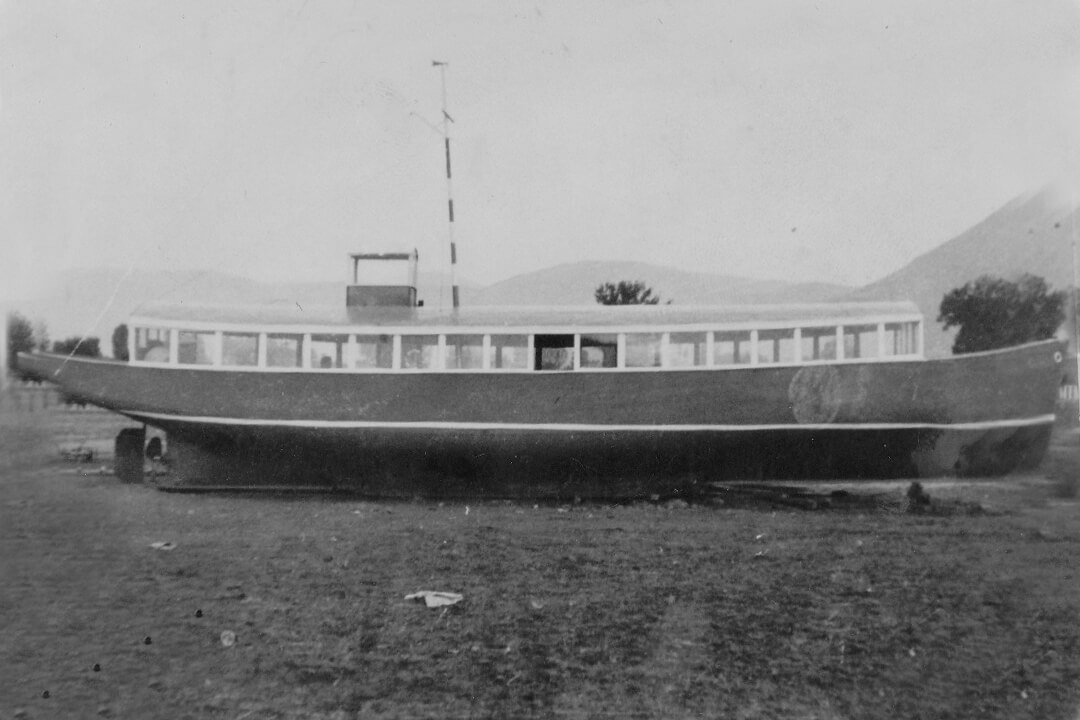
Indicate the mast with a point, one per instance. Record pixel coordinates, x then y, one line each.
446 120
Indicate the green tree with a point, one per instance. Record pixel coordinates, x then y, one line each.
84 347
20 337
991 313
625 292
120 342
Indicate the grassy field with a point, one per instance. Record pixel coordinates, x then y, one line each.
750 608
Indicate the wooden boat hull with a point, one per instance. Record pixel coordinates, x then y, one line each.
584 433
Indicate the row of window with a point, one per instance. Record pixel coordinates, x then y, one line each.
524 351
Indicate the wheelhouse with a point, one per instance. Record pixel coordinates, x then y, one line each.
625 339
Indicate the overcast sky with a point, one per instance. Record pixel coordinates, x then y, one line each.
829 141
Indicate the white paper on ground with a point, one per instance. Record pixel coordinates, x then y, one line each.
434 598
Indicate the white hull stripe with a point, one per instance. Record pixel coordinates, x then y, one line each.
581 427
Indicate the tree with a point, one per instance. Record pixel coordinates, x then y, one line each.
120 342
625 293
84 347
994 313
20 337
41 336
24 336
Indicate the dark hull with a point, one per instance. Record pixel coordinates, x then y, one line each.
518 464
586 433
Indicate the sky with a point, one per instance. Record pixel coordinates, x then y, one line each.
827 141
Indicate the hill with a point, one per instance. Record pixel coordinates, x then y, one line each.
574 284
94 301
1030 234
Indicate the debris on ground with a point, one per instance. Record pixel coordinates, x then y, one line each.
918 499
234 591
435 598
771 495
77 453
166 545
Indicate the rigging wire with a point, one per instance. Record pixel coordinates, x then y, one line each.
108 305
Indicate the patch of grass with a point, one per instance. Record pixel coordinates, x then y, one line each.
852 609
1066 476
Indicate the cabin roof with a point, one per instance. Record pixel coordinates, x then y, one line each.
520 317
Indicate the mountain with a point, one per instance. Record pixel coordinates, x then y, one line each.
93 302
574 284
1030 234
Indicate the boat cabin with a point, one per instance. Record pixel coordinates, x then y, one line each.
379 338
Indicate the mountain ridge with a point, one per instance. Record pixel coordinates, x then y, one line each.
93 301
1028 234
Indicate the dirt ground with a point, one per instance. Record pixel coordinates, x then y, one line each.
836 606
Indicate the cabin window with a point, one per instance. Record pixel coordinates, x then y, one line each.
819 343
152 344
240 349
776 346
374 351
284 350
901 338
327 352
599 351
464 352
643 349
196 348
860 341
509 352
731 348
419 352
553 352
686 349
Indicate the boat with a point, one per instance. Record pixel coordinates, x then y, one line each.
386 397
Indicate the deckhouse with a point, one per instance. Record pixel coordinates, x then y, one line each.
603 339
383 329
